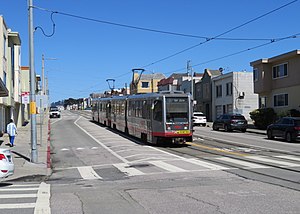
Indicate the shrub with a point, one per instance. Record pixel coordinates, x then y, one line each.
263 117
294 113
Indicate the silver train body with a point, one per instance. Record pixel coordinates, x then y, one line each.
158 118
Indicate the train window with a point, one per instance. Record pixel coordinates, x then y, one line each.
145 110
157 110
122 109
177 109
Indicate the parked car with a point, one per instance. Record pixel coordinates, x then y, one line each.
230 122
54 112
199 119
7 166
287 128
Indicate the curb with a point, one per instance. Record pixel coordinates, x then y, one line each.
48 147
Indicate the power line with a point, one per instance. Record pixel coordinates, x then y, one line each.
151 30
242 51
221 34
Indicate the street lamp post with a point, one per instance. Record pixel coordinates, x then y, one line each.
34 155
43 73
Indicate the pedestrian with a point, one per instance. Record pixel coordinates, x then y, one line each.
11 131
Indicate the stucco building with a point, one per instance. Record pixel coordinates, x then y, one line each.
277 81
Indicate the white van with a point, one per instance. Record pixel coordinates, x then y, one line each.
199 119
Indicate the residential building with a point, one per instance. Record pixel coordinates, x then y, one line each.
168 84
233 93
145 83
14 76
10 100
203 94
277 81
186 85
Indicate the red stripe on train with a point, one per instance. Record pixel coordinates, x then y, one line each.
170 134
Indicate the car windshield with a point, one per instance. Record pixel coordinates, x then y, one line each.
297 122
199 115
53 109
237 117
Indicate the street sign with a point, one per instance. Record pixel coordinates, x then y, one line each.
25 97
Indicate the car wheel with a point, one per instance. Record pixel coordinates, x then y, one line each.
288 137
204 124
227 129
215 127
270 135
243 130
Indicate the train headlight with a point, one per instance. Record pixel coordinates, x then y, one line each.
168 126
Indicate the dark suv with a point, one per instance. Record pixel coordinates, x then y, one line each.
287 128
230 122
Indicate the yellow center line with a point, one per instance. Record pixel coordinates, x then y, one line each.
215 149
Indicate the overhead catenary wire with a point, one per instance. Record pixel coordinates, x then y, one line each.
221 34
149 29
241 51
207 39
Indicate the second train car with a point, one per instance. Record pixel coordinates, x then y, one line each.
156 118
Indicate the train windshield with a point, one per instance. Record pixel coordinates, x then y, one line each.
177 109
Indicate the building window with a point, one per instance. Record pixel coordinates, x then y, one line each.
229 89
4 46
219 90
145 84
280 70
262 102
281 100
255 74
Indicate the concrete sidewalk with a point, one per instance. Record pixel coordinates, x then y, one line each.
24 169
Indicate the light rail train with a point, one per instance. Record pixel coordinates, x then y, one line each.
158 118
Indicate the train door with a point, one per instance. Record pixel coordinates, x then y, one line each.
157 120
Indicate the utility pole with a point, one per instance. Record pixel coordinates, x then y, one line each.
43 74
190 69
34 154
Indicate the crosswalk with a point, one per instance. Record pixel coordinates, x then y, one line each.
185 165
31 198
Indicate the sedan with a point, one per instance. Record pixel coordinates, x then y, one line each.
287 128
7 166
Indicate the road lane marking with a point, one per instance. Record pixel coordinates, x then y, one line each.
273 161
101 144
243 163
43 199
216 149
166 166
206 164
130 171
88 173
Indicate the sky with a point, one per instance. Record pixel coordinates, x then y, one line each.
96 40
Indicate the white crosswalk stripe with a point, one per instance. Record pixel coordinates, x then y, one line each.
39 194
88 173
242 163
166 166
268 160
187 165
126 168
289 157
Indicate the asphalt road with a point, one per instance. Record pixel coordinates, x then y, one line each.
96 170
